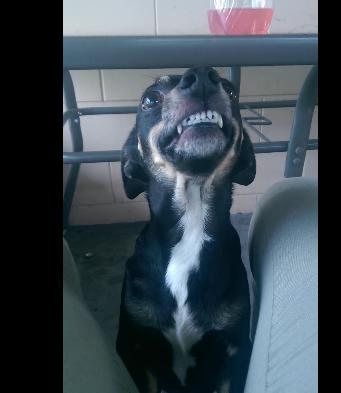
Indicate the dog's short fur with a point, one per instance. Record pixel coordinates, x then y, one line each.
184 320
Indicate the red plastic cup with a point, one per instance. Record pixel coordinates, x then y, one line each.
240 21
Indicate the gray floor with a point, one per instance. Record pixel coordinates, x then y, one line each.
100 252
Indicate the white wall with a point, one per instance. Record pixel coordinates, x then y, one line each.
171 17
99 197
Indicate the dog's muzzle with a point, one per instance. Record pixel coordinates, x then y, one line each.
201 128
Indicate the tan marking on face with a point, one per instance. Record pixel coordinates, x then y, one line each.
172 100
179 198
227 163
160 165
174 95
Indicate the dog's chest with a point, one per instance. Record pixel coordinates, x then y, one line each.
184 259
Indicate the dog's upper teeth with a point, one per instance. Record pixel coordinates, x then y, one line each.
201 117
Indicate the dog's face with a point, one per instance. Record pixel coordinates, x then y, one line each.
188 124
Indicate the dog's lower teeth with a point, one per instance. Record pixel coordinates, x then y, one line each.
220 122
209 114
179 129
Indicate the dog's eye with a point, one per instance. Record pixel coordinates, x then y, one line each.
151 100
232 94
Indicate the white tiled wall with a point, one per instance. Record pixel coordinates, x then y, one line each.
171 17
99 198
109 17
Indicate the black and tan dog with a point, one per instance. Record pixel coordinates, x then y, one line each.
184 320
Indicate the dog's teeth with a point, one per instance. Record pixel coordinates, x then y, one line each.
220 121
200 117
179 129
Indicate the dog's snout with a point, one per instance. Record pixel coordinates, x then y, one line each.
200 81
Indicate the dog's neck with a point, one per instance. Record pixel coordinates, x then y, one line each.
200 202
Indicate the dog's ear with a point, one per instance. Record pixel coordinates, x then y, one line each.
244 170
134 175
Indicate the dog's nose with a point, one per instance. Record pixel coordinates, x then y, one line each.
200 81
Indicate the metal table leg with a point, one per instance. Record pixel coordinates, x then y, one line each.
77 145
301 126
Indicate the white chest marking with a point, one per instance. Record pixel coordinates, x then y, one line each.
185 258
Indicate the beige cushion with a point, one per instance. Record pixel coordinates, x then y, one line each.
88 364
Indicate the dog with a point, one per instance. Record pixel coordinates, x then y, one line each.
185 306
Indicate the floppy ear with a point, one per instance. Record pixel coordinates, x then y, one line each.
244 170
135 178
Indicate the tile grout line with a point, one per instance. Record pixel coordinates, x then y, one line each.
156 28
261 126
101 84
111 175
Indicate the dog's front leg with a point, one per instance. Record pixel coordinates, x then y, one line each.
147 356
220 365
